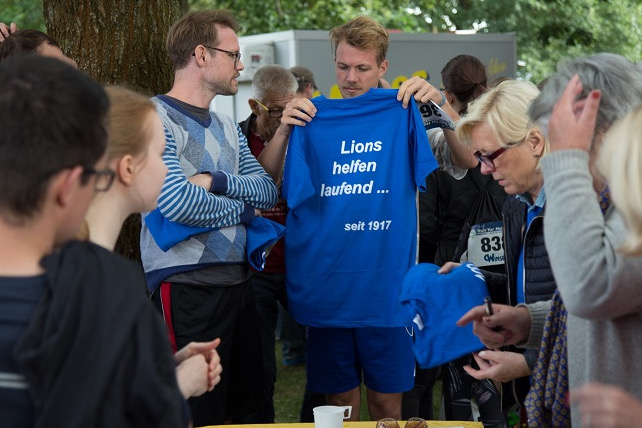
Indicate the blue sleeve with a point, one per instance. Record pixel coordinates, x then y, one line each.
253 185
424 160
187 203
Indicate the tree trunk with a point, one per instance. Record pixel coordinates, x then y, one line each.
118 42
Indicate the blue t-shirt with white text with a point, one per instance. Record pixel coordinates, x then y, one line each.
350 181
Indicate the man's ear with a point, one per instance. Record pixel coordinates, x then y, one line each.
199 54
253 106
125 170
64 185
383 68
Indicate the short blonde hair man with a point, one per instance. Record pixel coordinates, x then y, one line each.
362 33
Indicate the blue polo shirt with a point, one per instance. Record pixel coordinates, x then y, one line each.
533 211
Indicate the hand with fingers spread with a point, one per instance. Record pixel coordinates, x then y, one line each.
507 326
498 365
7 30
572 122
298 112
606 406
422 91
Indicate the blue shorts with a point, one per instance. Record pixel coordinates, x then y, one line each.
337 357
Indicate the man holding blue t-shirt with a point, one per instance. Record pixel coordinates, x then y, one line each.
343 350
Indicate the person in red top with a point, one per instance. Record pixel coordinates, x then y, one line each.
273 87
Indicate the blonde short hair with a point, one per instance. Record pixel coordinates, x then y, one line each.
620 161
504 109
363 33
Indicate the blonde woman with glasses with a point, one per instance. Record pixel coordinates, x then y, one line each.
509 147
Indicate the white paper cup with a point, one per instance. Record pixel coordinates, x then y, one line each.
331 416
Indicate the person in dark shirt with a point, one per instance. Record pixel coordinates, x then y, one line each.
79 344
273 86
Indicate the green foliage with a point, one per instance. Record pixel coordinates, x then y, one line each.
26 13
547 30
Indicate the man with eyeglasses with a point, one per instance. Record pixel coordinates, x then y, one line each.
272 88
202 283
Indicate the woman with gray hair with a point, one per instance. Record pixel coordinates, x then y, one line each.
620 161
598 284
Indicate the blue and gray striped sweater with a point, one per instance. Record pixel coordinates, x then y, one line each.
193 146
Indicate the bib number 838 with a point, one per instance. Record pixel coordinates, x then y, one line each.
493 243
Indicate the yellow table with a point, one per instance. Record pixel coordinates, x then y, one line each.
365 424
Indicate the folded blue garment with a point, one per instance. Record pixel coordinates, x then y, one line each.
262 234
435 302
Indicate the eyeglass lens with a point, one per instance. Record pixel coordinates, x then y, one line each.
489 160
275 113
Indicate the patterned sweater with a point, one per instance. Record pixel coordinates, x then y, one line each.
239 184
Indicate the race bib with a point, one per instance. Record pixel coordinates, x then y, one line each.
485 244
434 117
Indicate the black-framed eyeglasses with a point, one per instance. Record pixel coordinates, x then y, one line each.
488 160
104 177
236 56
272 112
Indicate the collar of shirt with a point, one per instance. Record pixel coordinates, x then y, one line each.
539 203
